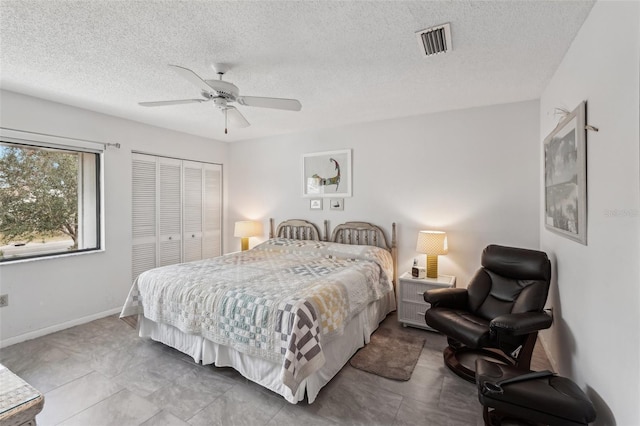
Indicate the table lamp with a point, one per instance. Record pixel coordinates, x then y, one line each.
432 243
245 229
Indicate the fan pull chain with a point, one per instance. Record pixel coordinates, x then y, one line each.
226 109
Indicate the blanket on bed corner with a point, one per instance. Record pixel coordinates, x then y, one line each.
277 301
304 352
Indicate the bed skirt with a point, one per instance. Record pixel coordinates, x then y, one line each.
266 373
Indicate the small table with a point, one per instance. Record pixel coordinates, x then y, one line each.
19 401
411 304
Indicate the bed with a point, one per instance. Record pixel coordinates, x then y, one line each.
287 314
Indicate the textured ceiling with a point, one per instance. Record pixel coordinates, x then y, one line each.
346 62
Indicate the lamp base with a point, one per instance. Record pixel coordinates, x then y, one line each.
244 244
432 266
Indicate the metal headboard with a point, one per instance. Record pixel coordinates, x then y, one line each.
360 233
297 229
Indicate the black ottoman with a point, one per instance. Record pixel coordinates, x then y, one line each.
550 400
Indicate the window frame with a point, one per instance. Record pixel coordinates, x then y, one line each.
45 141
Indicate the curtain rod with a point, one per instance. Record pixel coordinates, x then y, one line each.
105 144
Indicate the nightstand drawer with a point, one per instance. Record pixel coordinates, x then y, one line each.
414 312
414 292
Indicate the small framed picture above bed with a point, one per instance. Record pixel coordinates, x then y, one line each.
336 204
326 174
315 204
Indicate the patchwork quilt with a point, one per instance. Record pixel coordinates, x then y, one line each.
278 301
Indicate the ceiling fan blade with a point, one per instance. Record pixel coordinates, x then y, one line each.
176 102
236 118
276 103
192 77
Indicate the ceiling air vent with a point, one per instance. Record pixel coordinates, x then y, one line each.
435 40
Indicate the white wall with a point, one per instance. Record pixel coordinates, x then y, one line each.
596 298
50 294
473 173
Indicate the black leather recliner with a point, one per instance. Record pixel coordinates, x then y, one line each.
500 312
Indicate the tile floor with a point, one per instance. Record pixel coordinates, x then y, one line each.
101 373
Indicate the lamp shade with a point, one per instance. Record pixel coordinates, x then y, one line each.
247 228
432 242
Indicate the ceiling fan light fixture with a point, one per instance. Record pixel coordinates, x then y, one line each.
224 88
435 40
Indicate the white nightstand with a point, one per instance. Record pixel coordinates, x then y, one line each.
411 304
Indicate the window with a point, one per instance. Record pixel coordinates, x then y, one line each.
49 199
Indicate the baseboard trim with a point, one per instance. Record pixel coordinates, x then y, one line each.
48 330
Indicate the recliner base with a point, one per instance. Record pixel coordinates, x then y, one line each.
452 360
456 349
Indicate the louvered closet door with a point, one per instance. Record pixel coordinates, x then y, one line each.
193 204
177 211
212 223
170 211
144 250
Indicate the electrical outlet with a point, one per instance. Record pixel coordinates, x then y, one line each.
4 300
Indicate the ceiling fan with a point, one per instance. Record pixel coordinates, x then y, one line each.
222 93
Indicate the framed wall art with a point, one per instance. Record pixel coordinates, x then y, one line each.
336 204
565 177
327 174
315 204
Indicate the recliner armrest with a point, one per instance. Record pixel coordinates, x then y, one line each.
519 324
453 298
